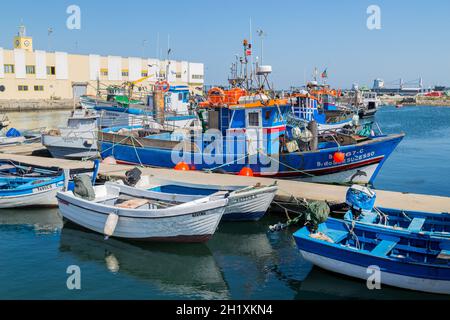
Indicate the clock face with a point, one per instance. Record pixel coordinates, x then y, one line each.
26 43
17 43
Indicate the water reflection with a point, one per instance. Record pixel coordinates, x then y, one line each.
38 119
188 271
41 221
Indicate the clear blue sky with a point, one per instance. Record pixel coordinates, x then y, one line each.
302 34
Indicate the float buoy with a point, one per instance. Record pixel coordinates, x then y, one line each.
246 172
182 166
163 86
339 157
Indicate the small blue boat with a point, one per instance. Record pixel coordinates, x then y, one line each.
406 260
362 210
23 185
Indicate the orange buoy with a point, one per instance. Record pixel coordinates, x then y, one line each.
182 166
339 157
246 172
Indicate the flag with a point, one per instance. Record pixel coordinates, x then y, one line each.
325 74
248 52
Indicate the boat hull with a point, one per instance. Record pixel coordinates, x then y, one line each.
362 164
45 198
387 278
70 147
196 226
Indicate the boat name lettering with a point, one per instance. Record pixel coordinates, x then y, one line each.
198 214
44 188
348 159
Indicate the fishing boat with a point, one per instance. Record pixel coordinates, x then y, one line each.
406 260
361 200
244 203
369 106
129 213
255 136
16 137
246 129
23 185
77 140
306 107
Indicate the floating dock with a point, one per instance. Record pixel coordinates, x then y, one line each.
287 188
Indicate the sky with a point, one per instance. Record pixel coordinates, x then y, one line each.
300 35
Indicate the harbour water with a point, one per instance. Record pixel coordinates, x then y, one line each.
242 261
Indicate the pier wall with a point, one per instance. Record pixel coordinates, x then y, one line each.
35 105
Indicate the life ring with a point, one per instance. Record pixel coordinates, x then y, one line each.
163 86
216 96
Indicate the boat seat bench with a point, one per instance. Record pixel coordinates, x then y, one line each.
133 204
416 225
385 247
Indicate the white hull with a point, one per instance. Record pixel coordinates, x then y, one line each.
250 203
191 222
348 176
43 198
70 148
390 279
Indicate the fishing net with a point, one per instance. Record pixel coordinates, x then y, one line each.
83 187
317 212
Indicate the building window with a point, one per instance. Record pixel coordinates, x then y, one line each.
9 68
104 72
51 71
144 74
253 119
30 69
125 73
38 88
23 88
179 75
197 76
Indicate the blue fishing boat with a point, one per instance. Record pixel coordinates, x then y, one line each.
253 135
23 185
247 132
306 107
362 210
406 260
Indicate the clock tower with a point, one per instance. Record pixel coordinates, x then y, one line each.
21 41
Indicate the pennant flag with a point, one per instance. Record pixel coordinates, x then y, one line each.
325 74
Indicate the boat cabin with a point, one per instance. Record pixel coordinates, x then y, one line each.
255 119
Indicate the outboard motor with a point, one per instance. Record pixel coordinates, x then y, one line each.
361 199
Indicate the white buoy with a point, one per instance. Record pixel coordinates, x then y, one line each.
110 225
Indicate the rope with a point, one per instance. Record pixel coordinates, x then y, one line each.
286 165
353 234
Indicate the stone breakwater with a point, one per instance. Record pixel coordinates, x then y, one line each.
416 101
35 105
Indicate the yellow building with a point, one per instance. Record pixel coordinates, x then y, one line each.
28 74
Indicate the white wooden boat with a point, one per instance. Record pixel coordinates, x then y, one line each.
78 140
129 213
244 203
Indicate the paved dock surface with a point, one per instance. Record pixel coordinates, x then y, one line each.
301 190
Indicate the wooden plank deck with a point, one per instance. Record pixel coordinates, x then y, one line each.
302 190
